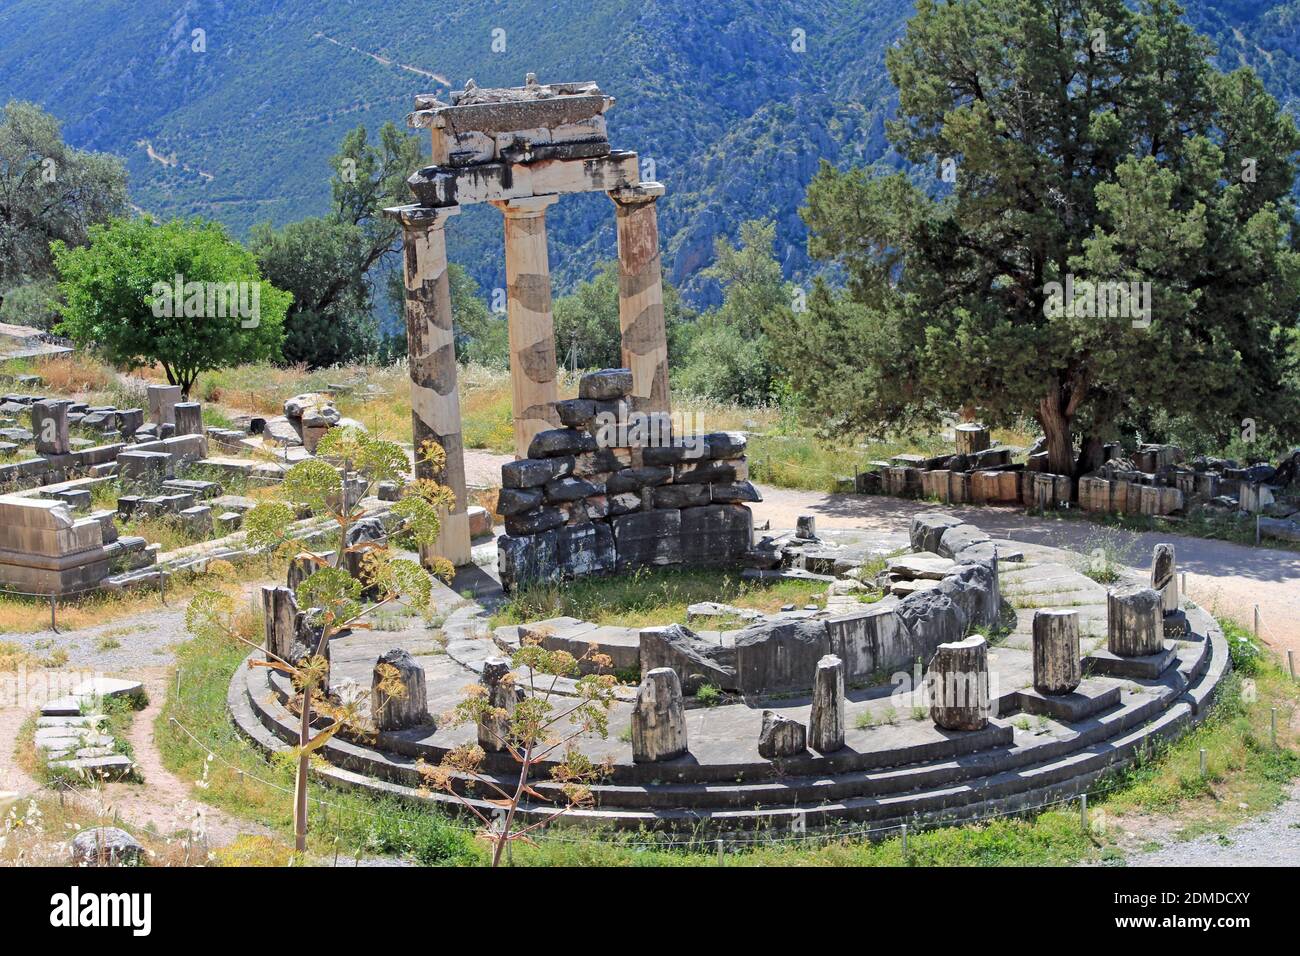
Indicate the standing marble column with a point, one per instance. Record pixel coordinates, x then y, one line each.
641 295
431 352
532 329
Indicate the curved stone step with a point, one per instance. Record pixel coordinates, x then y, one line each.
1020 788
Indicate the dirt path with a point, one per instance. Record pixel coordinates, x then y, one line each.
1226 578
165 801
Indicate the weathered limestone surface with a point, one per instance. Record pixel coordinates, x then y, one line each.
781 736
394 710
826 720
50 427
658 718
677 647
958 682
1057 668
162 401
431 349
1164 577
927 528
280 613
502 695
1134 625
532 330
970 438
641 296
188 417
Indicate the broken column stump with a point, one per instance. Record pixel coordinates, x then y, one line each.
1164 577
658 717
188 417
806 527
281 618
826 721
494 728
1134 622
394 707
970 438
958 678
781 736
1057 669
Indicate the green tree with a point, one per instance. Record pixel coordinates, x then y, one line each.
48 191
329 262
336 594
588 318
120 295
319 261
1076 140
730 355
481 337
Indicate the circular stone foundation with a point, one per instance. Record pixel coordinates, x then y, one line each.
896 766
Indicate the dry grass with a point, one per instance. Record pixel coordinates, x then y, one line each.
23 615
36 831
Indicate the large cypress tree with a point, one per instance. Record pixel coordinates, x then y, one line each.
1054 140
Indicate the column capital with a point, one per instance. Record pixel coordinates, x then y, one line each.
416 216
637 195
529 207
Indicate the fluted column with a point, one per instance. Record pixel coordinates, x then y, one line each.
532 329
641 295
431 350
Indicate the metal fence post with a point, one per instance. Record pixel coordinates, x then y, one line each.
54 623
722 853
1083 812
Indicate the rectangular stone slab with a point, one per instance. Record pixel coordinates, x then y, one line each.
1147 667
1088 699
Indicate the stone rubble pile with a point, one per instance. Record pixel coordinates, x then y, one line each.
615 489
1154 480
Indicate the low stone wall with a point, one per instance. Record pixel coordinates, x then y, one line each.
615 489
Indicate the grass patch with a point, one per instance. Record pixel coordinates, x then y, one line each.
352 824
650 596
1244 768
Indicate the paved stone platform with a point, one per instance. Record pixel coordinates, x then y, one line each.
896 764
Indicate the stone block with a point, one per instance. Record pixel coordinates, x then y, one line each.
557 442
781 736
778 656
926 530
648 538
528 559
585 549
533 472
695 661
606 384
716 534
681 496
162 400
398 698
50 427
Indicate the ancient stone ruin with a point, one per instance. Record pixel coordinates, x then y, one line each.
1153 480
521 149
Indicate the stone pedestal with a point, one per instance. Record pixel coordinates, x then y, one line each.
188 417
162 401
826 721
641 295
532 328
1057 669
958 682
658 717
50 427
781 736
1134 622
494 729
970 438
394 709
431 350
1164 577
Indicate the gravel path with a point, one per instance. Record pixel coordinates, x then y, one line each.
1270 840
